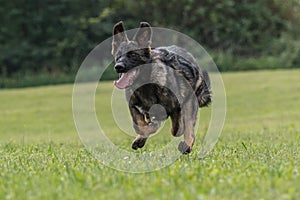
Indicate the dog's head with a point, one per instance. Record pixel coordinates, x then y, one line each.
129 54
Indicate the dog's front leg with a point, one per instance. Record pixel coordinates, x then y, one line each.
177 124
189 117
142 126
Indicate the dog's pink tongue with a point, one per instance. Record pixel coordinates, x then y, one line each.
125 79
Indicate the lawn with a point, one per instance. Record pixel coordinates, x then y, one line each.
256 157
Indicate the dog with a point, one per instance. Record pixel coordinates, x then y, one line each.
170 84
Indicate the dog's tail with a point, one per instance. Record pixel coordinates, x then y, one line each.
203 91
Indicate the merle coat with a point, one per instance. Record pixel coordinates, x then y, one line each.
159 83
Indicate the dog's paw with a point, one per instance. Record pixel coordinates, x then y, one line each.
138 143
184 148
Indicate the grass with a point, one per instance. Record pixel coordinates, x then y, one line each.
257 156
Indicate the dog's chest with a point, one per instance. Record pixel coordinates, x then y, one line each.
150 94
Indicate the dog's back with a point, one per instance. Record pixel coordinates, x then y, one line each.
184 63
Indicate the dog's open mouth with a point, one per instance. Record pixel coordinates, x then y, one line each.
126 79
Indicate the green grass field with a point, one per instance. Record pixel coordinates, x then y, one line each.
256 157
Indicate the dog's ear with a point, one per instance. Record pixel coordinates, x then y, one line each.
143 36
119 36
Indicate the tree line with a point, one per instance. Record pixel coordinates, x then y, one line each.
51 38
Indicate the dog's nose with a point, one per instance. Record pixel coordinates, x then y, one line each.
119 67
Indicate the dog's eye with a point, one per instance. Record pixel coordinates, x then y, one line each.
118 57
132 53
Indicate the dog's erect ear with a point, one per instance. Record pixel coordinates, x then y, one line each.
144 35
119 36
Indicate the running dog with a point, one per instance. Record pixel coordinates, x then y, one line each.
159 83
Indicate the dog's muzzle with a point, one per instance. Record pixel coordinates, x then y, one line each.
119 67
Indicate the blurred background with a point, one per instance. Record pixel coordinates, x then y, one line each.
44 42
